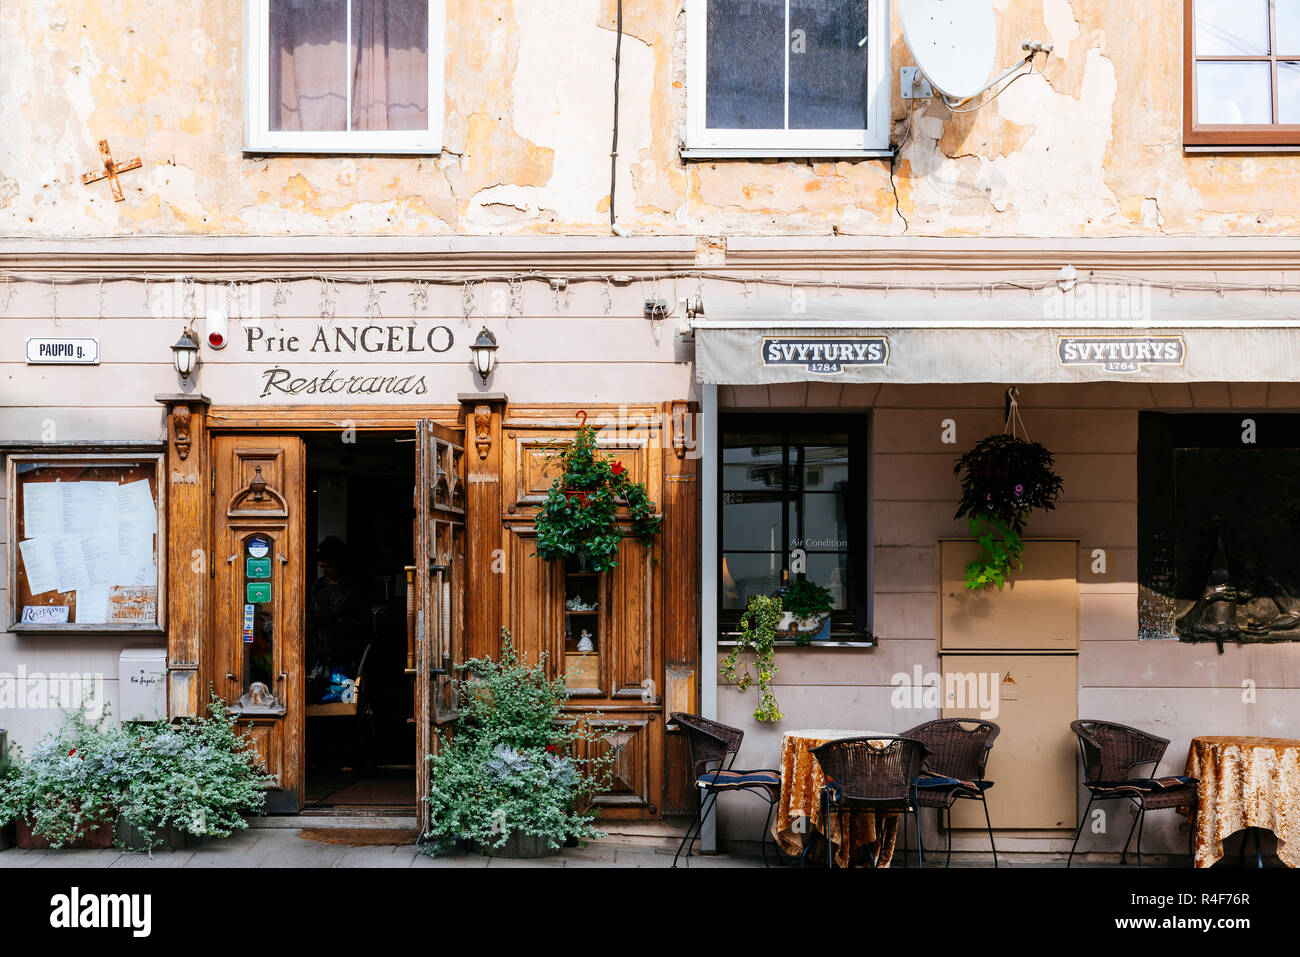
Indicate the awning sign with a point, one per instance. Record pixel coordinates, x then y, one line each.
1121 353
825 355
45 350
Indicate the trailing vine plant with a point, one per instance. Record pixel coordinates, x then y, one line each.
758 635
1003 478
579 518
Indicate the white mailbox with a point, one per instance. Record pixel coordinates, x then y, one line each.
142 680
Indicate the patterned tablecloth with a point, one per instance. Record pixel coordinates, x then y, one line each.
1246 782
800 809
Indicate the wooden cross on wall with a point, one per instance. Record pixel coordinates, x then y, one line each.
110 171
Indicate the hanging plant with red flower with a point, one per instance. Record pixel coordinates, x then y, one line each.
1002 479
579 518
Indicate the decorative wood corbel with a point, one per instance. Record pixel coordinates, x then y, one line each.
181 431
483 430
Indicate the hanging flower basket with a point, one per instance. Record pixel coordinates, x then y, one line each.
579 518
1002 479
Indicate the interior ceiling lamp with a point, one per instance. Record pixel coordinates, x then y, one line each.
954 42
185 354
485 353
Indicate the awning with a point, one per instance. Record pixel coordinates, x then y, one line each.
1153 338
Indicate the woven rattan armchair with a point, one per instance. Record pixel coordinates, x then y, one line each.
870 774
713 748
1110 753
954 768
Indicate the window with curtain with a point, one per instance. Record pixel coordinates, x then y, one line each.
346 75
1242 81
793 504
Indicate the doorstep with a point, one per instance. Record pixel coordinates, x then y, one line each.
296 822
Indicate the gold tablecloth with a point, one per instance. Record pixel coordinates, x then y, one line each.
1246 782
799 811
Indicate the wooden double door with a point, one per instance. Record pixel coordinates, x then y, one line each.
258 570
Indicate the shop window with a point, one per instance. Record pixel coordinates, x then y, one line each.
86 542
1218 522
1242 73
787 78
344 76
793 504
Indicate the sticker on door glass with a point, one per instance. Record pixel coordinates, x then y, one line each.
248 624
259 547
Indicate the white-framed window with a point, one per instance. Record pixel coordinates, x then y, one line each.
343 76
787 78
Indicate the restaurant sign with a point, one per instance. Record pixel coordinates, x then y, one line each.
1121 353
825 355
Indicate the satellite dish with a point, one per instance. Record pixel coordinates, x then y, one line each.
952 41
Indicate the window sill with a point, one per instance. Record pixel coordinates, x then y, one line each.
780 152
322 150
832 643
1241 148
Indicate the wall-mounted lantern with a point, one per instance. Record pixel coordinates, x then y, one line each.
185 354
485 353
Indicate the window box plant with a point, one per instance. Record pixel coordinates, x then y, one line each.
807 611
515 777
758 635
579 518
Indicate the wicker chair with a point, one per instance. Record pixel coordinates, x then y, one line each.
711 743
870 774
1110 752
954 769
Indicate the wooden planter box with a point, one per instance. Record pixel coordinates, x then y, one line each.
172 838
93 838
6 837
518 845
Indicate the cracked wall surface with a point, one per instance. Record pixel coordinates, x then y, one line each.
1091 146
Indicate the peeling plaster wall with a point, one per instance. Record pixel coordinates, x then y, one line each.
1090 147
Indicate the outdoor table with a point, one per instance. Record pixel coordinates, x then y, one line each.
799 811
1245 782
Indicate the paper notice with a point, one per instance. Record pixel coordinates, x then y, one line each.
69 563
80 507
45 614
141 573
38 562
135 605
106 499
135 506
92 605
99 554
42 509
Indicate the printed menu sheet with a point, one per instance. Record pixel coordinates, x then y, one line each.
94 541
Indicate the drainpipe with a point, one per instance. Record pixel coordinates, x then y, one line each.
614 227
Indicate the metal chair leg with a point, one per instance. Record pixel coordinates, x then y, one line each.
948 861
1123 857
767 826
697 826
989 824
920 851
826 816
1142 814
1079 832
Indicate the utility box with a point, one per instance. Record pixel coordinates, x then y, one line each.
142 679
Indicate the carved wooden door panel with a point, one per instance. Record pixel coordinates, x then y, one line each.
257 570
603 631
440 589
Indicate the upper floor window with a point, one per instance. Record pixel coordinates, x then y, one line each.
344 76
787 78
1242 65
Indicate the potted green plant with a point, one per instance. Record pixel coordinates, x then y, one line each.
758 635
195 780
579 518
1002 479
508 780
807 608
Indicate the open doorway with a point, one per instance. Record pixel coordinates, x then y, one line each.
360 731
